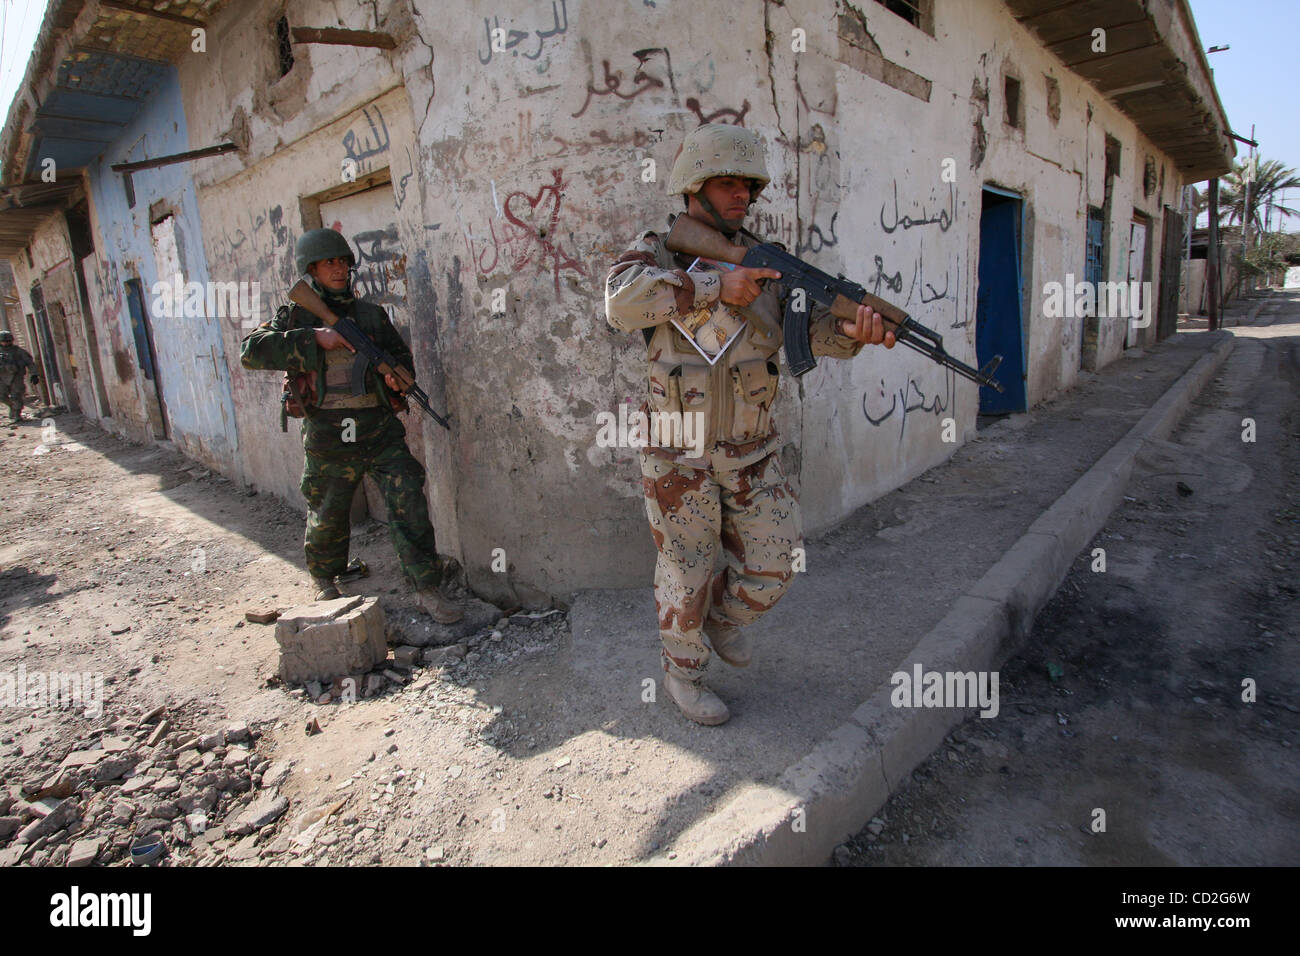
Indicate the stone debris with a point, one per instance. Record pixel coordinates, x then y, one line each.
85 801
261 617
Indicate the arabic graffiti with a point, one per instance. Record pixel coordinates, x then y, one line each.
723 115
643 79
944 218
263 253
399 189
370 143
894 283
500 41
529 234
909 398
381 266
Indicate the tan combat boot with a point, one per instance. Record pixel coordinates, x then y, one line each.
696 701
325 589
439 606
730 643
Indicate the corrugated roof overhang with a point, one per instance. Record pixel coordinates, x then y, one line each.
94 65
1153 69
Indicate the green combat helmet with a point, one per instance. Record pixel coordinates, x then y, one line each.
718 149
317 244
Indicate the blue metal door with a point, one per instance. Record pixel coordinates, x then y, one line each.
998 325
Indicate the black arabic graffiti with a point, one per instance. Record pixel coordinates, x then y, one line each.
515 37
912 399
894 283
944 218
367 148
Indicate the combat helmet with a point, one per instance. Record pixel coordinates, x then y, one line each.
6 337
718 149
317 244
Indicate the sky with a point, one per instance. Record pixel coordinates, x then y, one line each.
1255 82
1256 78
20 21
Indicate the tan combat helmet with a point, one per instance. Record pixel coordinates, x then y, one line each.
718 149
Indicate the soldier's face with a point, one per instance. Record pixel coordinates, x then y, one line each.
728 194
331 273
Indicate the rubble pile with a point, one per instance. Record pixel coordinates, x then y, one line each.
141 782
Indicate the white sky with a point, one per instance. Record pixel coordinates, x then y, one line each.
20 21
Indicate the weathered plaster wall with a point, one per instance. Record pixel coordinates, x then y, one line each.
52 267
526 175
191 365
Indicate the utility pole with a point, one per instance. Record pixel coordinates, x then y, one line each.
1212 257
1245 204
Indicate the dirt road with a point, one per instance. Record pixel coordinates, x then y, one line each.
1133 697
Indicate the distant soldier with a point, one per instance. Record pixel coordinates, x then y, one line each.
732 501
14 362
350 426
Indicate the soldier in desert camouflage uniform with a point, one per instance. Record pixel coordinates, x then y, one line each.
351 428
735 496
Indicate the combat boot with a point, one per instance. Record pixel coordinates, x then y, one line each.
439 606
325 589
730 643
696 701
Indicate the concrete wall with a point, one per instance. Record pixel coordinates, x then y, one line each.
522 169
191 364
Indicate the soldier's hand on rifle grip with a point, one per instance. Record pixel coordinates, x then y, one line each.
740 285
329 340
868 327
393 384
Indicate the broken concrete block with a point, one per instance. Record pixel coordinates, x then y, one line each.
329 639
406 656
83 852
59 818
237 732
158 734
266 809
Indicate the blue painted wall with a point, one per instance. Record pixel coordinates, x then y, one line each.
191 362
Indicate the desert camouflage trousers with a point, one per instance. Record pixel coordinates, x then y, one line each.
333 470
752 514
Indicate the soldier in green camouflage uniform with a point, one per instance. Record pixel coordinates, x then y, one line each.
351 429
725 496
14 362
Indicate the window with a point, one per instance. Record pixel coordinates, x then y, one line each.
1011 97
919 13
286 45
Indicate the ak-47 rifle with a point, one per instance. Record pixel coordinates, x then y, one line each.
303 294
694 238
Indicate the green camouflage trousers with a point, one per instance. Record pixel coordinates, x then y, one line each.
333 470
753 514
12 394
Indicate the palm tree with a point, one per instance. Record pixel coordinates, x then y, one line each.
1270 179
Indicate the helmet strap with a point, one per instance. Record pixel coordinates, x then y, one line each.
728 227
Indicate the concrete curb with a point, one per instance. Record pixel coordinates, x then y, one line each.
833 791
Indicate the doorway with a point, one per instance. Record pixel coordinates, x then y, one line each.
155 407
999 324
